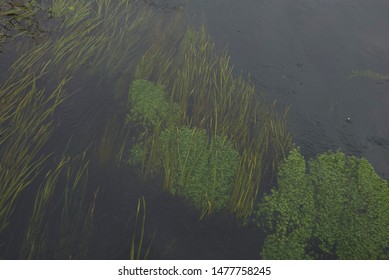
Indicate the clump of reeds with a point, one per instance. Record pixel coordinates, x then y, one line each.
211 98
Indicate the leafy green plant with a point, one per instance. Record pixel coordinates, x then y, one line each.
288 212
148 104
352 205
202 83
204 170
339 209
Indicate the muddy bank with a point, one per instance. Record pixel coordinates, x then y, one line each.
302 53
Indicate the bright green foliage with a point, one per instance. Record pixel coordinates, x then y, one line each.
288 212
352 207
148 103
203 170
340 209
201 80
150 112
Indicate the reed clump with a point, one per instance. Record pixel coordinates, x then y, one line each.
212 99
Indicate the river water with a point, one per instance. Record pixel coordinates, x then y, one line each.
301 53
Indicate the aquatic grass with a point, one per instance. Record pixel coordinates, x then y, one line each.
26 118
370 74
83 44
73 223
137 252
70 12
35 240
76 214
85 41
211 98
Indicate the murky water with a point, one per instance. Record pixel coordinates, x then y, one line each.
301 53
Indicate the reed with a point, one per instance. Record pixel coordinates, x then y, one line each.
77 214
211 98
102 39
137 251
26 127
35 241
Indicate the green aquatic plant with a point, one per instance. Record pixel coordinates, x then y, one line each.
336 207
102 39
36 239
352 205
194 166
287 212
150 113
148 104
197 168
85 41
211 98
370 75
137 251
25 124
74 223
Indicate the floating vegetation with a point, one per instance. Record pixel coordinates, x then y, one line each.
370 75
338 209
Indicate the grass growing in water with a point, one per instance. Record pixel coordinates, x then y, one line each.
210 98
38 83
370 74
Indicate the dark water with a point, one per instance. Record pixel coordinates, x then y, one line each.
302 54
